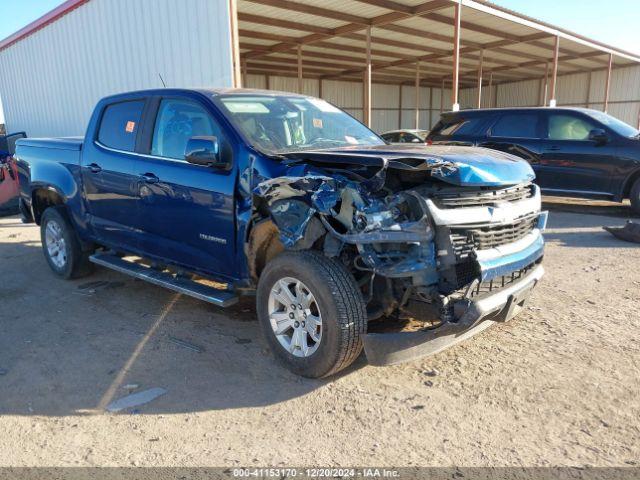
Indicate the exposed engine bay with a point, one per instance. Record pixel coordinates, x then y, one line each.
422 237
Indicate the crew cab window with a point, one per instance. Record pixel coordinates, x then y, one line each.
568 127
119 125
178 121
516 125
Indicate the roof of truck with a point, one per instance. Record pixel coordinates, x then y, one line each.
205 91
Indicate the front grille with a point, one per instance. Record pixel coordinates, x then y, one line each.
482 198
498 283
465 239
466 272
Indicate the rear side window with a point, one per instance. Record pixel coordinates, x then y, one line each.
517 125
451 126
390 137
119 125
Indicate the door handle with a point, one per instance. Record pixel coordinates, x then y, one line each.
149 178
554 148
95 168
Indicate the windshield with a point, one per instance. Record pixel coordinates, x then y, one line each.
281 124
614 124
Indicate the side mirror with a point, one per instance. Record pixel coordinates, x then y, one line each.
204 151
599 136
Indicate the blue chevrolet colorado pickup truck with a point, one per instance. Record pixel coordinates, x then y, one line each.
345 241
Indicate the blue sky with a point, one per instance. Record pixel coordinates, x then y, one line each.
612 21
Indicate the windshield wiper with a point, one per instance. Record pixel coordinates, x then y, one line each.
314 146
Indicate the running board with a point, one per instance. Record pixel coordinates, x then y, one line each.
220 298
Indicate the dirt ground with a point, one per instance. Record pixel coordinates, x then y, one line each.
558 385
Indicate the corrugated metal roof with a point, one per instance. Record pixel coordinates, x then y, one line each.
400 37
403 32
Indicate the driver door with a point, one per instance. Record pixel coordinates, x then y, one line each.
185 212
570 162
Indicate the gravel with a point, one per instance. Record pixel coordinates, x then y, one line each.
558 385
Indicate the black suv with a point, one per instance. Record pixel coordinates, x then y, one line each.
575 152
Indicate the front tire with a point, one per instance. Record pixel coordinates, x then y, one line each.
61 245
311 313
634 197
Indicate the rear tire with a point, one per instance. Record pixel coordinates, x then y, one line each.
325 335
634 196
61 245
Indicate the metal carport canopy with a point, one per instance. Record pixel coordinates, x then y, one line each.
436 43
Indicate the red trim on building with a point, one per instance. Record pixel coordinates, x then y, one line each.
42 22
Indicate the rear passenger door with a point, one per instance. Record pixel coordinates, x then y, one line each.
517 133
185 212
107 173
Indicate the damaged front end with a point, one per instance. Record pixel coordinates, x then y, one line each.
437 245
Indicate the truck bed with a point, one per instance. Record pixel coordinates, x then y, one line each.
61 143
39 153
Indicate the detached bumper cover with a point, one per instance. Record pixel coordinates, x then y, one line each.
478 315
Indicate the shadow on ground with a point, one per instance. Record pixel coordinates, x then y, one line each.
590 207
584 230
70 347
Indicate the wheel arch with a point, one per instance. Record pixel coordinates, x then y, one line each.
43 197
628 185
263 245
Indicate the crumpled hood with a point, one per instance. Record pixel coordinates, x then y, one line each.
464 166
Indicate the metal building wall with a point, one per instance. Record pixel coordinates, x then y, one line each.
571 90
255 81
428 106
520 94
290 84
469 97
51 80
385 98
624 96
384 107
578 90
346 95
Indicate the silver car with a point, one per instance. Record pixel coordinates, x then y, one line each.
405 136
